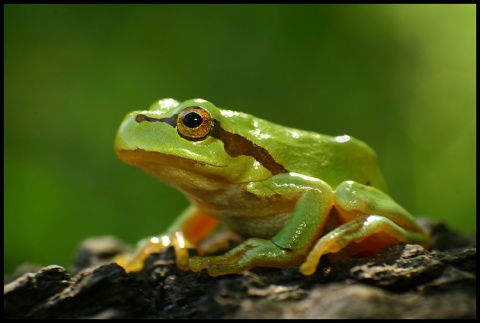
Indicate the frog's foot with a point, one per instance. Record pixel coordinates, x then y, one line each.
369 232
135 262
253 252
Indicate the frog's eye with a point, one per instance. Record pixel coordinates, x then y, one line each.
194 123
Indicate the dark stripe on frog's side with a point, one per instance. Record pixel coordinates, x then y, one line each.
234 144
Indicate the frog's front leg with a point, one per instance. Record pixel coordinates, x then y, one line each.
312 200
373 221
190 228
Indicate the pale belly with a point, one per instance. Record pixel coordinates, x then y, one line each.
258 227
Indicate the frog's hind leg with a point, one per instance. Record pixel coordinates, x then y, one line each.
365 235
376 231
372 221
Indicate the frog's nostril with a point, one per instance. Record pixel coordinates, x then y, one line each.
140 118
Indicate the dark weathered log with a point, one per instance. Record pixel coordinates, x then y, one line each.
404 281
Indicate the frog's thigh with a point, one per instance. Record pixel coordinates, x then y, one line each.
352 199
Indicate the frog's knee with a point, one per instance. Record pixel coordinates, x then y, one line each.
349 187
349 195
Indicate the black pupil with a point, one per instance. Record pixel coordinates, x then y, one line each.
192 120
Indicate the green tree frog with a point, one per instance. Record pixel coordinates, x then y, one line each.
291 195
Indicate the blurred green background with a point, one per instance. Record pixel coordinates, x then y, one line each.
400 77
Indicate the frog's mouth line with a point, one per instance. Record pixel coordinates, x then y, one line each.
161 165
175 171
141 158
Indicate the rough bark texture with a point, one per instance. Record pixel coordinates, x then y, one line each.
404 281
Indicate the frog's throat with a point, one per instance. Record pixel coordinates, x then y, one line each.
234 144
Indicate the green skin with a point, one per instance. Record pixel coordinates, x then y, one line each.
294 195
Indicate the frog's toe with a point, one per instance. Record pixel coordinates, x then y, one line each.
311 262
198 263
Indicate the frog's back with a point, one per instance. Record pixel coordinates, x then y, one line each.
334 159
331 159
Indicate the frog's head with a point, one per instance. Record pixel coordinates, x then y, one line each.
193 141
